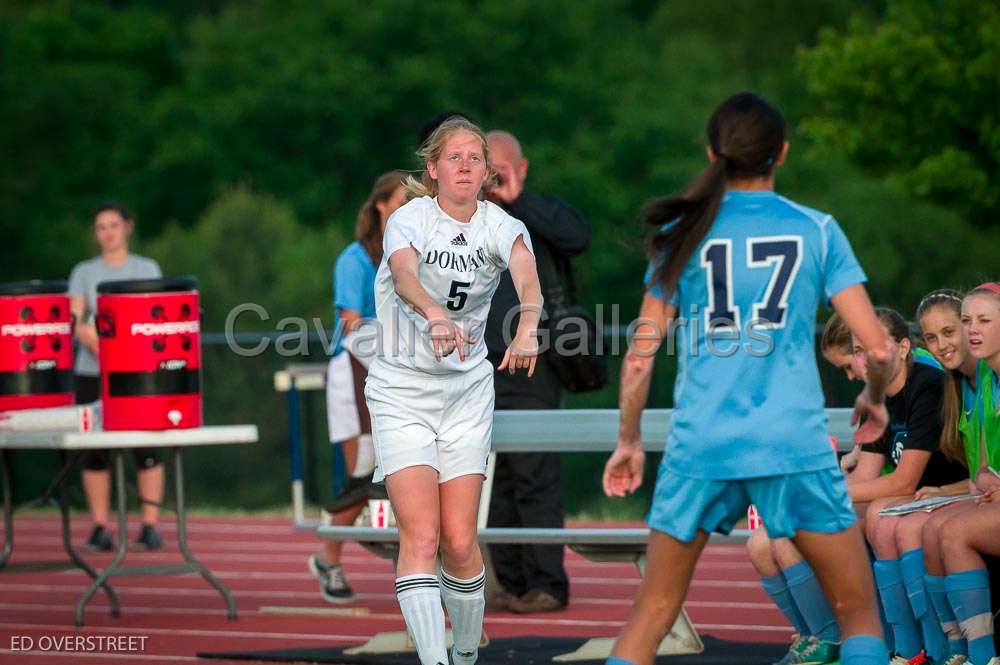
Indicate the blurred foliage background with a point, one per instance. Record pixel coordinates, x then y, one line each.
244 136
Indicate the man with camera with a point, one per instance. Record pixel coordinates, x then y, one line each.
527 487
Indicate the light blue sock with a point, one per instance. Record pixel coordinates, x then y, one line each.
890 642
777 588
905 631
811 601
863 650
946 616
911 567
969 594
615 660
886 628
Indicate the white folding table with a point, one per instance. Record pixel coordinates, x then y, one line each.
72 445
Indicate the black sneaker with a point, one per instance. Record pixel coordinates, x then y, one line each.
355 491
100 540
332 582
148 539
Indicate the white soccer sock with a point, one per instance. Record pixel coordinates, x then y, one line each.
466 603
420 600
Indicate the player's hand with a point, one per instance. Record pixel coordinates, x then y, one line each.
986 481
509 185
928 492
447 337
87 334
850 460
623 471
874 418
521 354
990 496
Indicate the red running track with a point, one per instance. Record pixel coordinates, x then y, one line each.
263 562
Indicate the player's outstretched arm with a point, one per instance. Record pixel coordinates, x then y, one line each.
446 335
623 471
523 349
855 307
903 481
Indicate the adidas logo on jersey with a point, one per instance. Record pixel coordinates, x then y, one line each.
459 240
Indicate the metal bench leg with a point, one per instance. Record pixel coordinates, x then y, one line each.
295 454
102 578
182 536
683 631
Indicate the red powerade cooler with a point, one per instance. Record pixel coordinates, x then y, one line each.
36 345
150 353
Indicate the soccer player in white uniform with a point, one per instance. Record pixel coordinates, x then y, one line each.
430 388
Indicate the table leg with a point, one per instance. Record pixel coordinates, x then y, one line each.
182 535
122 539
295 454
74 556
8 509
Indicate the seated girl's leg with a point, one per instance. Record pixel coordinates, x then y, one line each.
413 492
463 577
759 549
881 531
965 538
930 536
892 592
934 576
805 591
911 563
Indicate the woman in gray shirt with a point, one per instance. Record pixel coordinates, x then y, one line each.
112 228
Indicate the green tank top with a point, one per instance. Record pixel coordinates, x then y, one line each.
983 425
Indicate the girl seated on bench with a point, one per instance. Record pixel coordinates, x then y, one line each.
909 450
969 535
939 316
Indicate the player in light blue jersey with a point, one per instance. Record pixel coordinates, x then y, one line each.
347 414
737 273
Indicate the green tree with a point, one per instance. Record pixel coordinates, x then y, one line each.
249 248
75 80
916 95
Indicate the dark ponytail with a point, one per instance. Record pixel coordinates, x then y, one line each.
895 324
747 134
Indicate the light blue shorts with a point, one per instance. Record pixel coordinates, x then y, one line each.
810 501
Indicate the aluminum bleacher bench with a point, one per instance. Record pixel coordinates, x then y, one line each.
577 431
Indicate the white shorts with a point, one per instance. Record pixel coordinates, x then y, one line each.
342 416
444 421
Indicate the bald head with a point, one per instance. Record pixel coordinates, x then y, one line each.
505 142
509 164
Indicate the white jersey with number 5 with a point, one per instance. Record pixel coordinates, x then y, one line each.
459 268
